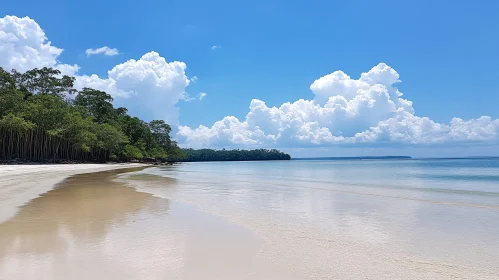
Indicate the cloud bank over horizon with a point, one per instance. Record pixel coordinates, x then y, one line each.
369 111
345 111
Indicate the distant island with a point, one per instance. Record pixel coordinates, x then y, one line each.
355 158
191 155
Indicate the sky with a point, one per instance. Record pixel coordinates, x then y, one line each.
312 78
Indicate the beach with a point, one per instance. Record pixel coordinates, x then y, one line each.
252 220
92 226
21 183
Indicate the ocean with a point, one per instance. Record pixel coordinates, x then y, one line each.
278 220
415 218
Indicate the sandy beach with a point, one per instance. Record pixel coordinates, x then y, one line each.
91 226
22 183
273 220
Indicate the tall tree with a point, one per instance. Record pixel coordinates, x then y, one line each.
161 132
98 103
46 81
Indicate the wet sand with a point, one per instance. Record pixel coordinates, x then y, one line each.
92 226
335 231
21 183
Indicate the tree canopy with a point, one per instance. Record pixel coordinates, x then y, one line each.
232 155
43 118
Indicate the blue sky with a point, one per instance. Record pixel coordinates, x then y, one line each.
445 54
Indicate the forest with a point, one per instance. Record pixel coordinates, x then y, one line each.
43 118
232 155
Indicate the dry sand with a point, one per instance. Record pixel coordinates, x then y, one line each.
94 227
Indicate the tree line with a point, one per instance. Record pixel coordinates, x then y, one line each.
191 155
44 119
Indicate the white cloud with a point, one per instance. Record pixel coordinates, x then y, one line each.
199 97
367 111
104 50
24 46
215 47
345 111
149 87
194 79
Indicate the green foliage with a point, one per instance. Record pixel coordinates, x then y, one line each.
44 81
11 100
39 122
110 138
98 103
6 80
12 122
232 155
47 111
131 152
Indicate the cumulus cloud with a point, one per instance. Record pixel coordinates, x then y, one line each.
149 87
24 46
369 110
104 50
215 47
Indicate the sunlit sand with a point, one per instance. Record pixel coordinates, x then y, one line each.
91 227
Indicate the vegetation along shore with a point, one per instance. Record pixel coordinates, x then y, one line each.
44 119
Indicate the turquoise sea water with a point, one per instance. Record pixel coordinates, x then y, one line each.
415 216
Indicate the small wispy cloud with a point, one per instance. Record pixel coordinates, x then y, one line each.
215 47
194 79
199 97
104 50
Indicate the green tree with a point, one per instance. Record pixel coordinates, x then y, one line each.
14 123
11 101
48 112
161 132
39 122
45 81
110 138
231 155
98 103
131 152
7 82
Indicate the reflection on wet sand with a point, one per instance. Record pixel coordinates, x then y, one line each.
76 222
93 226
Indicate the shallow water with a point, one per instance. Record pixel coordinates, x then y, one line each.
92 227
382 219
399 219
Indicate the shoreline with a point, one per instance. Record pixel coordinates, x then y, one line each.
189 222
335 238
19 184
22 163
97 220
